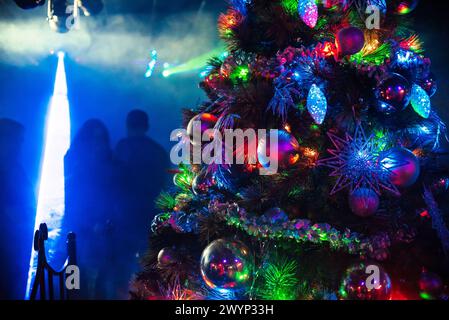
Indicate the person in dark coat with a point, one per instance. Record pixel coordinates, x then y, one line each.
144 165
91 187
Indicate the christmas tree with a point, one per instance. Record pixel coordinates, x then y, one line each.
343 197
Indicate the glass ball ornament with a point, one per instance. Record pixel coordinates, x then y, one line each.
202 183
29 4
361 283
430 286
403 166
286 155
198 125
402 7
393 94
166 257
349 41
227 265
335 5
364 202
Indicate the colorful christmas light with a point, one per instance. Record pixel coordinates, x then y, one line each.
151 64
308 11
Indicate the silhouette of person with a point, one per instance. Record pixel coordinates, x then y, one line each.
90 183
17 211
144 164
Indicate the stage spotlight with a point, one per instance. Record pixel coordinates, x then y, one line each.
29 4
91 7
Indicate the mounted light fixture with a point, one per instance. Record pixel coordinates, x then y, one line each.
63 15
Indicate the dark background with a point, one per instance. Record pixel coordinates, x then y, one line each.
106 81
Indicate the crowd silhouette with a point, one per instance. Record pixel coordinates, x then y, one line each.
109 204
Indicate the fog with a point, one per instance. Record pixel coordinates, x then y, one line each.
107 59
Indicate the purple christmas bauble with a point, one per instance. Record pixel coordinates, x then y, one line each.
349 41
166 257
393 94
201 123
403 165
364 202
402 7
286 155
429 84
365 281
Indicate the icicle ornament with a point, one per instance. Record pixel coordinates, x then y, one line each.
308 11
317 104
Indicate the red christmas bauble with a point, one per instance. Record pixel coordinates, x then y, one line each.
403 165
430 285
286 155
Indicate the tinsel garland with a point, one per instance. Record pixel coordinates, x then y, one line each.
298 230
